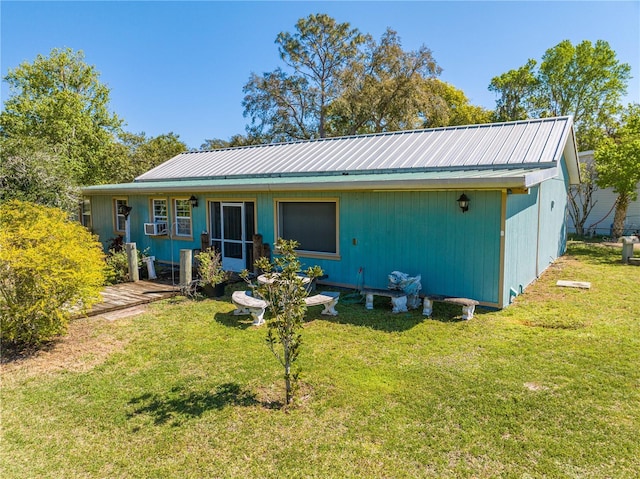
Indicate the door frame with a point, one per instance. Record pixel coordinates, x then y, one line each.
218 242
230 263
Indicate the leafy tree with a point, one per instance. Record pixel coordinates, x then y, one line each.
294 106
446 105
516 89
618 164
586 81
235 140
30 171
383 90
345 83
281 107
60 100
146 153
49 266
318 52
285 294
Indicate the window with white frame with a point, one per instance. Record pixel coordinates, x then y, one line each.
182 213
313 224
120 221
160 214
85 218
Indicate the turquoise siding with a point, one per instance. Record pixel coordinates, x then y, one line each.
520 241
553 219
415 232
161 246
535 232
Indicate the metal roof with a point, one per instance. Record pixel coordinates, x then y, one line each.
494 178
529 144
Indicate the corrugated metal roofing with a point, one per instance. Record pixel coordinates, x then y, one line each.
535 143
493 178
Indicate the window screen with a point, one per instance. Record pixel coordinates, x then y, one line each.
312 224
183 217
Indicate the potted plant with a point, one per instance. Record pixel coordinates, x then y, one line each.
212 276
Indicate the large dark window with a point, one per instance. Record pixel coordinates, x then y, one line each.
313 224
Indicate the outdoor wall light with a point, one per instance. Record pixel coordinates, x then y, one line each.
124 210
194 201
463 202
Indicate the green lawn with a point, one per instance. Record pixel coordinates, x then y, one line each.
549 387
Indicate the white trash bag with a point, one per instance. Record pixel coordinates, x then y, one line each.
410 285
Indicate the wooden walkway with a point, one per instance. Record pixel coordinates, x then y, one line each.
127 295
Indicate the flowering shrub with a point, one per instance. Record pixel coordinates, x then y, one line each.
49 267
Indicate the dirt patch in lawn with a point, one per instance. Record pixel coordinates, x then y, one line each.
547 289
87 344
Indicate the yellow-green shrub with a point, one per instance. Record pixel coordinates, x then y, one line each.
50 267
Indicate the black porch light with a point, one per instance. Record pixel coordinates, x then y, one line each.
194 201
463 202
124 210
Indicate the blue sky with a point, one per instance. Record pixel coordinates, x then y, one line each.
181 66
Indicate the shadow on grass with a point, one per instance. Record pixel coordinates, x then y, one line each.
179 405
17 352
230 320
353 312
381 318
596 253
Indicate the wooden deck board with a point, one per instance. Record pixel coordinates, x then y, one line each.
127 295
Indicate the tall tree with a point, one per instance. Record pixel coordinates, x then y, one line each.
344 83
618 164
60 100
145 153
383 90
446 105
318 52
516 89
586 81
294 105
281 107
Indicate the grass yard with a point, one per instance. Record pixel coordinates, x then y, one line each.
549 387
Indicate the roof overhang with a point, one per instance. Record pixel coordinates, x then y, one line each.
479 179
570 153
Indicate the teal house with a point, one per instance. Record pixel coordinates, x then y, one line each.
478 211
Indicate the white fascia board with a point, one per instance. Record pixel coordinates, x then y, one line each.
571 157
535 178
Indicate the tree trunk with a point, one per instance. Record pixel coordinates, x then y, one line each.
287 382
621 213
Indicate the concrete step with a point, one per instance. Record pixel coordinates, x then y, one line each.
635 261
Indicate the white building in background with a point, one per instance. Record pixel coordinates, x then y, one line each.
600 220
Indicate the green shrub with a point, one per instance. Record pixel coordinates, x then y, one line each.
116 267
210 267
117 263
50 267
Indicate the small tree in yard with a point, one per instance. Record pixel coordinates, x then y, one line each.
285 294
49 267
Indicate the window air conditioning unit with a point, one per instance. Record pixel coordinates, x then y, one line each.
155 229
